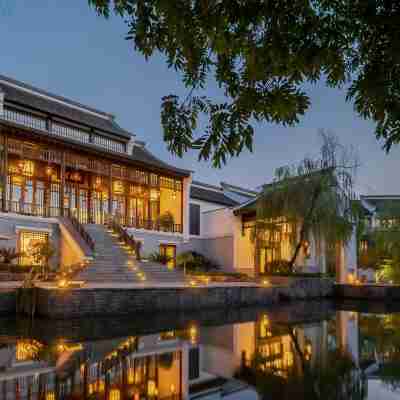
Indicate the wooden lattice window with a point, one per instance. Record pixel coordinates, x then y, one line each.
27 241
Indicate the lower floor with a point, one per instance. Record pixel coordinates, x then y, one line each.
231 248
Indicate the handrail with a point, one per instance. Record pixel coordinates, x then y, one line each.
124 236
81 230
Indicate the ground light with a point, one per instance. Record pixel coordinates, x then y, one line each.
266 282
63 283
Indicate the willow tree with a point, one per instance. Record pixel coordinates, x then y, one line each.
315 198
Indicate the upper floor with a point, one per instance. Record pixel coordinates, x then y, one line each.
60 156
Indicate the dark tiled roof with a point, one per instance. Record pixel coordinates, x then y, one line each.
241 190
211 196
142 155
139 157
69 110
383 202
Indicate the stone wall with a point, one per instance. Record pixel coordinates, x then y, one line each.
56 303
303 287
387 293
97 328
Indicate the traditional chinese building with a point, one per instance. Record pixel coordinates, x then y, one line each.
61 158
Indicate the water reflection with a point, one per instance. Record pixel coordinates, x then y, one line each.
348 356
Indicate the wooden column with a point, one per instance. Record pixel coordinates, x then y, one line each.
90 199
4 173
62 184
110 191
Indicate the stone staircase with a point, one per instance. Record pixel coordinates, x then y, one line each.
115 262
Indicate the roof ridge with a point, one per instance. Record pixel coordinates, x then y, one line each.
250 191
44 93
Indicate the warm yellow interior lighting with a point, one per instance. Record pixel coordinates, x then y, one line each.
63 283
193 334
151 388
50 396
115 394
172 388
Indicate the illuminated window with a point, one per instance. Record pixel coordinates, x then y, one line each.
115 394
27 350
27 242
169 250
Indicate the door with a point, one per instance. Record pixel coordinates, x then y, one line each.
169 250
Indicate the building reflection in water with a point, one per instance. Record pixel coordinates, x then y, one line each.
192 363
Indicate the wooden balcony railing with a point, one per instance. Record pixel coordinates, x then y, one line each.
152 225
82 216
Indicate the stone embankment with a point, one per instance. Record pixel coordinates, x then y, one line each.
56 303
386 293
113 300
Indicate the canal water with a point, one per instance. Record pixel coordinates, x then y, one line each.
298 351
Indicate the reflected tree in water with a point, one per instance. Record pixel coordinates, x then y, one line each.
336 378
380 339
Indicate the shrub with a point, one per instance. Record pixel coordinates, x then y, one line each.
138 249
9 254
279 266
160 258
194 261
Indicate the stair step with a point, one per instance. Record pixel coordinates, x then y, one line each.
113 263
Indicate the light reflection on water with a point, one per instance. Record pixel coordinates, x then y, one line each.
272 355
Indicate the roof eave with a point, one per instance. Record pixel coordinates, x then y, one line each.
117 157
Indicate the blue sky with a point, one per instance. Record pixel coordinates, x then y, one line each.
65 48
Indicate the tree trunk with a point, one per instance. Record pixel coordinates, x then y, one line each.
305 225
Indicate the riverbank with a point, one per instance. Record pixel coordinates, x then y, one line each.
125 299
386 293
122 299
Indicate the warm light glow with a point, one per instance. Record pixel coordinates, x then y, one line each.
192 283
172 388
131 376
27 350
49 170
50 396
63 283
351 278
193 334
154 194
118 187
266 282
151 388
115 394
26 167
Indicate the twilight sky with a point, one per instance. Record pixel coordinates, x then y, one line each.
65 48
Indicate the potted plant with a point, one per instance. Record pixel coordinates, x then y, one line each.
9 254
166 221
42 253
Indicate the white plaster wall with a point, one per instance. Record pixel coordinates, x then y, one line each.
204 208
218 223
244 249
186 201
